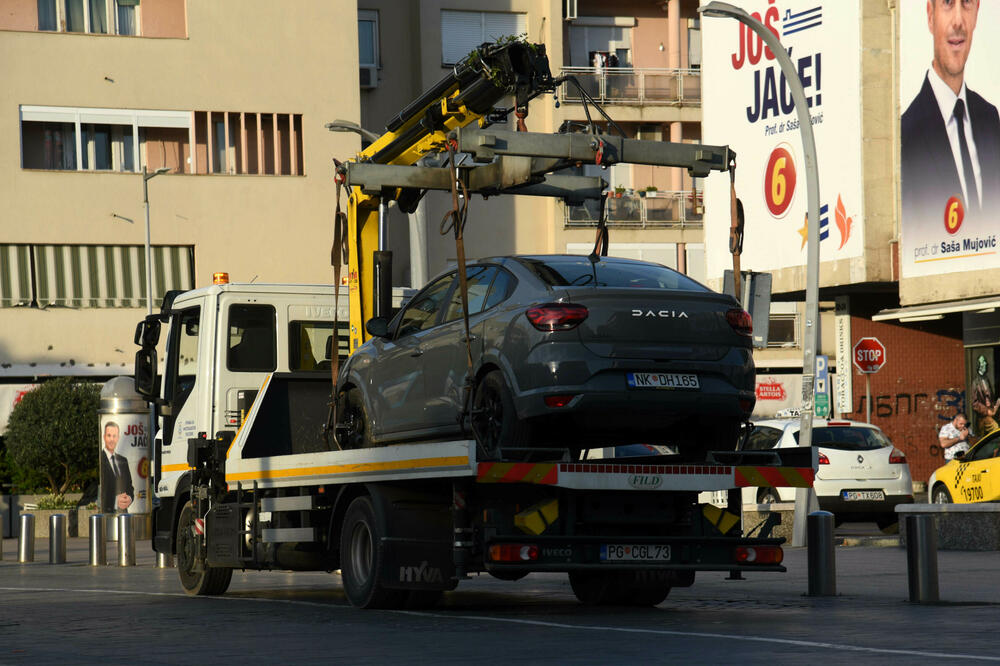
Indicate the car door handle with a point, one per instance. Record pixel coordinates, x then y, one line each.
417 352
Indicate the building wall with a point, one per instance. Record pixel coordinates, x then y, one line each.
240 55
920 388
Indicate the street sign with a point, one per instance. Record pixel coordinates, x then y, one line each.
822 397
868 355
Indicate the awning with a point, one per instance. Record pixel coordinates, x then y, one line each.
108 276
933 311
15 275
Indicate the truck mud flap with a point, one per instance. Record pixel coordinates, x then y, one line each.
223 532
417 564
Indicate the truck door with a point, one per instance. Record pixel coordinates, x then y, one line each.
187 412
247 352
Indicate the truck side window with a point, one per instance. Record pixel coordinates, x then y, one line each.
311 345
182 366
252 338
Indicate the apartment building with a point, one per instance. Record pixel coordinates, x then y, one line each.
224 102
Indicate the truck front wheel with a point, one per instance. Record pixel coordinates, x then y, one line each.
361 559
209 580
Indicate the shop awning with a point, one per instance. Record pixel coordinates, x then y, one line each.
108 276
15 275
932 311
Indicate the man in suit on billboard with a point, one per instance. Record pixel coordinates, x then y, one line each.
950 135
116 478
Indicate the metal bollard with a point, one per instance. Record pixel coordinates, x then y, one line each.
822 563
26 539
164 561
126 541
921 558
57 539
98 541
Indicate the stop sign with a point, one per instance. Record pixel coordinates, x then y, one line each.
869 355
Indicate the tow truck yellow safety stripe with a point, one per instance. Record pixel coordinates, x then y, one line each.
356 468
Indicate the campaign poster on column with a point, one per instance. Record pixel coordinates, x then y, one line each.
125 464
747 105
949 136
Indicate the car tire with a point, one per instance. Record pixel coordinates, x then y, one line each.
361 559
353 431
210 581
888 524
940 495
494 418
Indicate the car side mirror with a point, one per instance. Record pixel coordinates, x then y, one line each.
378 327
960 455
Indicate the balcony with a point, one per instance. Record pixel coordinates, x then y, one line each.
619 85
662 210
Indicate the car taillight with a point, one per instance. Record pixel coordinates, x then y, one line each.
897 457
759 554
823 460
740 321
513 552
557 316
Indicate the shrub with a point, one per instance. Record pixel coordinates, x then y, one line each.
54 432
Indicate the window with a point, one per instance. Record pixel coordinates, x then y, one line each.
311 344
502 287
252 344
783 325
91 139
99 17
762 438
182 367
461 32
565 271
846 438
478 280
368 37
422 312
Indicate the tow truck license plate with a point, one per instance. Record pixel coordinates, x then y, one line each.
662 380
622 552
863 495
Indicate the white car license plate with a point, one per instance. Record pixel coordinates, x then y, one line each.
662 380
623 552
863 495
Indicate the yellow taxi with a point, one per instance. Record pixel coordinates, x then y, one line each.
973 477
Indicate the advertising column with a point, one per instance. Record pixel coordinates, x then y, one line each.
949 137
125 449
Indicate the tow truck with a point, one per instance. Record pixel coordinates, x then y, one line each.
247 468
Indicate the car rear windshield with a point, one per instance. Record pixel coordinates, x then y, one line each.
571 271
847 438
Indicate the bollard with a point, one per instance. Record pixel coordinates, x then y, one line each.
164 561
57 539
26 539
126 541
822 564
98 541
921 558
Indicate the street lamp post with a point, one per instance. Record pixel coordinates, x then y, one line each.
149 251
811 333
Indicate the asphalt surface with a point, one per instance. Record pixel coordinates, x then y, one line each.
74 613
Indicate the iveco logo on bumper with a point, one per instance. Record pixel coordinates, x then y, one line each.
668 314
645 481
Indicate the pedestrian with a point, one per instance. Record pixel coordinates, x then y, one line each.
954 436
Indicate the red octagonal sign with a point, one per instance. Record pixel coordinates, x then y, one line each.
869 355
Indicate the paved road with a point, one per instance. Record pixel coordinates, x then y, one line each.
72 613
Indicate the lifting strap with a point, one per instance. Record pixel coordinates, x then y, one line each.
736 219
338 257
454 221
601 242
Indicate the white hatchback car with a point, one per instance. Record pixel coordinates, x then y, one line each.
861 475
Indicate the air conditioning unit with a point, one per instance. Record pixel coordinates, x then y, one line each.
368 76
569 9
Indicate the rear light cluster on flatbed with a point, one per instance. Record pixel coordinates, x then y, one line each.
514 553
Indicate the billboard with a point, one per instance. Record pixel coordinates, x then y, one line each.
949 179
747 104
125 464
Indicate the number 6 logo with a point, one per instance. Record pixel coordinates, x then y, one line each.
779 181
954 213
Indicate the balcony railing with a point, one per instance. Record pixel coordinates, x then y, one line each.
620 85
664 210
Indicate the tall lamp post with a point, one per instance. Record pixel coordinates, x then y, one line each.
811 333
149 250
